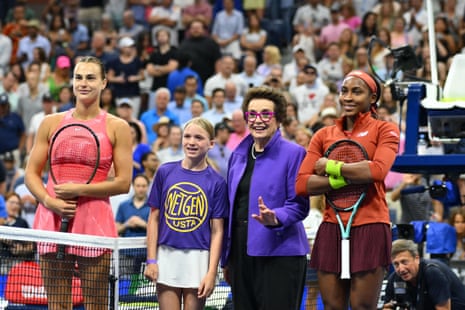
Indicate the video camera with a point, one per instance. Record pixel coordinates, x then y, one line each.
401 298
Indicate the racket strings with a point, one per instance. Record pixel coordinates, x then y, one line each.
74 157
344 198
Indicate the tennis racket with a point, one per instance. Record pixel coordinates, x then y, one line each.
347 198
74 156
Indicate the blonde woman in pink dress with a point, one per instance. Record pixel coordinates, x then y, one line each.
91 212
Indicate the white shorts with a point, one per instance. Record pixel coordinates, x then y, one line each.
181 268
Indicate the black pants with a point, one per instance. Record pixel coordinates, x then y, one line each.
264 282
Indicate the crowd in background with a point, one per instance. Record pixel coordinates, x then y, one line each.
168 61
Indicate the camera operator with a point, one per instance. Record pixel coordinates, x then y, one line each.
421 284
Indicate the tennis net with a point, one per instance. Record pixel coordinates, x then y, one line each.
97 273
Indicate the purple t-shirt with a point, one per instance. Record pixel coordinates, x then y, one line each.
187 201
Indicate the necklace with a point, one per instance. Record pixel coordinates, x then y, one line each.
252 152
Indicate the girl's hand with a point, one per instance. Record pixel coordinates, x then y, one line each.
206 287
151 272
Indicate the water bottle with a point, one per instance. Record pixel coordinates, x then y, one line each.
422 145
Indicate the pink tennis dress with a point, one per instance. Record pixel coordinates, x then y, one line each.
94 216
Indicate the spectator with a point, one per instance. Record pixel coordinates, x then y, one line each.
13 171
16 29
138 149
2 179
124 111
131 221
99 48
6 46
79 44
29 13
191 86
90 13
330 67
253 38
174 151
349 16
60 77
15 251
368 29
197 108
414 206
332 31
109 32
8 85
47 107
310 95
162 61
204 52
66 100
218 112
226 73
271 59
162 129
249 74
312 11
220 153
399 35
41 59
423 284
165 16
178 76
308 41
239 128
108 101
348 42
150 162
26 45
14 209
30 96
415 19
153 115
303 136
139 9
228 26
387 14
179 106
132 215
291 69
361 60
126 70
130 28
233 101
12 135
457 219
200 10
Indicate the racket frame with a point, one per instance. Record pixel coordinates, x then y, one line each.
345 231
65 221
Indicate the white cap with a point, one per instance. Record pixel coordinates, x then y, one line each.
126 42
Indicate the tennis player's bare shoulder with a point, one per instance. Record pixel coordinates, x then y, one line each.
52 121
117 127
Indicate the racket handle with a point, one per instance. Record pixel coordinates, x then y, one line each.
345 259
61 247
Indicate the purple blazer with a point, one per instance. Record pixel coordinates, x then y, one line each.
273 178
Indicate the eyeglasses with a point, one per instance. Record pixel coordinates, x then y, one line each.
264 116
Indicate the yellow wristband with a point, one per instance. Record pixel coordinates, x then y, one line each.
337 182
333 167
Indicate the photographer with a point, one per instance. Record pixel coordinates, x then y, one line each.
421 284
